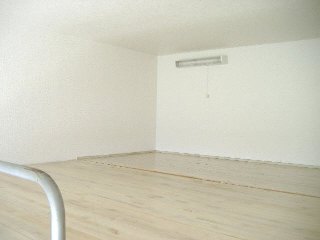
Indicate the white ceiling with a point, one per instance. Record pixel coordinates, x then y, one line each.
169 26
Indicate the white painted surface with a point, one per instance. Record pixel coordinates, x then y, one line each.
61 97
263 105
166 26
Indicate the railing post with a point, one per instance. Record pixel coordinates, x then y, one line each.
51 190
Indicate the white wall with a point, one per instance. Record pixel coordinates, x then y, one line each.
62 97
263 105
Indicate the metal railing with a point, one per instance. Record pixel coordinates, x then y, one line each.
50 188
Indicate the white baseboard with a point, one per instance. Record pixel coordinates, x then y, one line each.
114 155
240 159
198 155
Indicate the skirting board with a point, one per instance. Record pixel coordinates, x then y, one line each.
241 159
114 155
198 155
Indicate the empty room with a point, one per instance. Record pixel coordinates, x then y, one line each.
159 120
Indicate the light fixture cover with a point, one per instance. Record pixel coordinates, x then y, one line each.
217 60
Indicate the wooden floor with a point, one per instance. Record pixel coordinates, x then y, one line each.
257 174
111 198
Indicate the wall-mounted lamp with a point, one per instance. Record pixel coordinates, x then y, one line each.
217 60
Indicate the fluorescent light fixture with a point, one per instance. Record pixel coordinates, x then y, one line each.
217 60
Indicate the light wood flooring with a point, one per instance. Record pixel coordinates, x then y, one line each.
111 198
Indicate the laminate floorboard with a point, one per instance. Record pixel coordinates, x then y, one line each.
105 201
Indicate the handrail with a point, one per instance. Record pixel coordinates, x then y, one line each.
51 189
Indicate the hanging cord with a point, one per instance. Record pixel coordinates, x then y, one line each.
207 87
